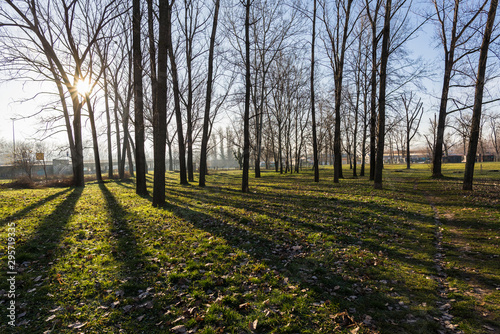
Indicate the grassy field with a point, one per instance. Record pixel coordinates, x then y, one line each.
292 256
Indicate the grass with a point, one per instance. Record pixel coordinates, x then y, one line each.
291 256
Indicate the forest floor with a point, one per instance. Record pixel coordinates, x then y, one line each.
291 256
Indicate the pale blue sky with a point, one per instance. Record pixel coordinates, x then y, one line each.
11 92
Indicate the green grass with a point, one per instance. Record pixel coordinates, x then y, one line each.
291 256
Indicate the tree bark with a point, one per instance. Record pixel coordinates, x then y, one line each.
140 158
246 117
160 117
384 58
95 143
313 102
478 98
338 77
208 99
373 82
108 127
176 91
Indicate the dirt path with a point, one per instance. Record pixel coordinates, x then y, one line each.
444 303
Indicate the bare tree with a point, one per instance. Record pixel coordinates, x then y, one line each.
495 133
478 99
246 117
384 58
313 102
208 98
373 14
160 115
412 115
54 41
103 53
176 92
25 158
455 41
140 157
336 46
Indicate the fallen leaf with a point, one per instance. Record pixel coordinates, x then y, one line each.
127 308
59 308
179 329
77 325
253 325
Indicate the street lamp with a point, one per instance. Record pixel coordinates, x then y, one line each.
13 138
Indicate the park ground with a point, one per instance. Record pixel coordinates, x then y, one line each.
291 256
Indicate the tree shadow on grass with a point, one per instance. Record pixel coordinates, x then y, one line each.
136 273
127 249
34 257
125 183
23 212
50 231
293 258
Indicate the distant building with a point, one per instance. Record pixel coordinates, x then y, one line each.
453 158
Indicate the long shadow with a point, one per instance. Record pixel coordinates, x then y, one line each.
126 250
50 231
23 212
127 183
37 254
340 231
279 255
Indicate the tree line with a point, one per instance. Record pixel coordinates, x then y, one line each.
278 80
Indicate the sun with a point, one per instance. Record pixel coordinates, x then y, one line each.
83 87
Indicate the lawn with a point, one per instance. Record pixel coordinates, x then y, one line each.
291 256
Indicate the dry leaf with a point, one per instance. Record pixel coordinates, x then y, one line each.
127 308
253 325
59 308
77 325
179 329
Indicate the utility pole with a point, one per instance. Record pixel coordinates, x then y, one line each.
13 139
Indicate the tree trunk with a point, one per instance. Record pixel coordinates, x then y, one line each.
246 117
438 149
189 105
140 157
177 103
373 84
313 102
338 75
108 127
129 158
478 99
95 143
77 155
448 67
355 135
384 58
208 99
160 117
408 150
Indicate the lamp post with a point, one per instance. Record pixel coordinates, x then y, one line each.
13 138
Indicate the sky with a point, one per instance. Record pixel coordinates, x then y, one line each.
13 91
